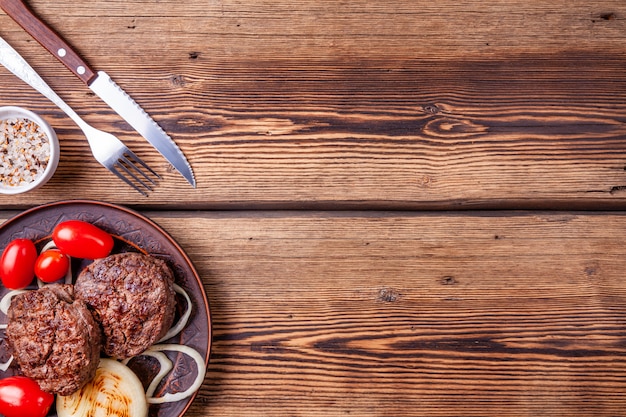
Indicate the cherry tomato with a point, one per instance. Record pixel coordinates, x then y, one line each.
21 396
51 265
17 264
80 239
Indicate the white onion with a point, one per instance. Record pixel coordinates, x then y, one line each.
5 366
165 366
5 302
115 390
201 368
178 327
49 245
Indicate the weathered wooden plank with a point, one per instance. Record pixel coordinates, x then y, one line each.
316 104
373 313
410 314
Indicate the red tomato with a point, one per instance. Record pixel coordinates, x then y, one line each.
80 239
21 396
51 265
17 264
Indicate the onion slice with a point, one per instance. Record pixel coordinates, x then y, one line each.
49 245
114 391
197 383
182 322
5 366
5 302
165 366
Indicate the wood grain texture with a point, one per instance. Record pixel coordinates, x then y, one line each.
416 105
336 105
410 314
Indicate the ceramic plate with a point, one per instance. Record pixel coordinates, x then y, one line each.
131 232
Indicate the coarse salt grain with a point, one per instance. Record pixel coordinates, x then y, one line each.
24 152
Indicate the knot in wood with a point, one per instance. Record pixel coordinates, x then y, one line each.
177 80
388 295
431 108
448 280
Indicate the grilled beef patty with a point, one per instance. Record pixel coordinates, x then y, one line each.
54 338
132 297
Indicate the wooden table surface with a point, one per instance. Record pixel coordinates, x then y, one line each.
402 208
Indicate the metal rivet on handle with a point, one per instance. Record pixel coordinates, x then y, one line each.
80 70
61 52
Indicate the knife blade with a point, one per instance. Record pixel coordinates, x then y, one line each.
101 84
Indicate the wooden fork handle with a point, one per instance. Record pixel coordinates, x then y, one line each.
48 38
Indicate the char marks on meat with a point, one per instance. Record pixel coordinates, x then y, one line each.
132 297
54 338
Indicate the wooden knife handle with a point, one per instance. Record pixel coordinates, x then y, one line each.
48 38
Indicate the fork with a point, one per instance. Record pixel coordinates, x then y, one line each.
107 149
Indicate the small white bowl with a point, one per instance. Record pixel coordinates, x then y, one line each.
13 112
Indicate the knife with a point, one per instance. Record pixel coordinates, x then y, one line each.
101 84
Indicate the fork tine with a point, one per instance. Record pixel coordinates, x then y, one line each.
126 180
130 154
126 165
